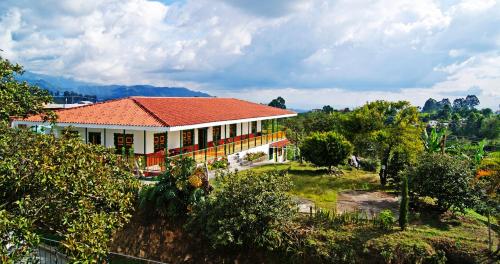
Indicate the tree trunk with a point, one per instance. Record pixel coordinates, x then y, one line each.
490 244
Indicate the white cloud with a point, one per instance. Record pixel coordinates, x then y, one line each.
385 48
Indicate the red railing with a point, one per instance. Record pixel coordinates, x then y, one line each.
156 161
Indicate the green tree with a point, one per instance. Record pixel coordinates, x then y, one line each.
77 192
430 106
246 210
326 149
490 127
295 132
404 204
448 179
180 187
19 98
327 109
278 103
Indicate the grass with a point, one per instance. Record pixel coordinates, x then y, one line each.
322 188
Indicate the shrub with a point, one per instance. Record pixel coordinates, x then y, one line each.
179 188
219 163
255 156
445 178
78 192
326 149
385 220
247 210
369 164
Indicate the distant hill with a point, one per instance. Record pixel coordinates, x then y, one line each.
60 87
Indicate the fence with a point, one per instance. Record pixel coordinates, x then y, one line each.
156 161
48 252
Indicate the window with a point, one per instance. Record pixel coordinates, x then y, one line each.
159 142
95 138
216 133
254 127
232 130
188 137
123 141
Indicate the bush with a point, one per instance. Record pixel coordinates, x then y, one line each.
369 164
385 220
247 210
78 192
219 163
445 178
180 187
255 156
326 149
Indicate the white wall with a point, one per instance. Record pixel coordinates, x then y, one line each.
173 137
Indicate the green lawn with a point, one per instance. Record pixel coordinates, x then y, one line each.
320 187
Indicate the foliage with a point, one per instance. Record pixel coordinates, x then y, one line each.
18 241
434 142
379 129
76 191
19 98
254 156
247 210
326 149
385 220
369 164
404 204
278 103
219 163
446 178
490 127
179 188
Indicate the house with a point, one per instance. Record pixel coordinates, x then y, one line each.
204 128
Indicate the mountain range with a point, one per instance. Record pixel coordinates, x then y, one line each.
60 85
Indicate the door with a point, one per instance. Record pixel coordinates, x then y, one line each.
95 138
202 138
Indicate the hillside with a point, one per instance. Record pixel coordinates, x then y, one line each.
59 85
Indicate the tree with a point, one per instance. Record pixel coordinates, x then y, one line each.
444 113
430 106
247 210
278 103
295 132
379 129
471 101
448 179
490 127
326 149
459 104
179 188
80 193
19 98
403 206
327 109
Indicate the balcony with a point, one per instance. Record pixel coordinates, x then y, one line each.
156 162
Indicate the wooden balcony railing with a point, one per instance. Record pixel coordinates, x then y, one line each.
156 161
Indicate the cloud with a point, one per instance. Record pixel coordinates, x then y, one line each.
353 50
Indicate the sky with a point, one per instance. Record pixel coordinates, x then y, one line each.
311 52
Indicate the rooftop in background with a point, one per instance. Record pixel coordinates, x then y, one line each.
64 106
165 112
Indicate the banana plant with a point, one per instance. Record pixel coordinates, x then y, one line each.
436 141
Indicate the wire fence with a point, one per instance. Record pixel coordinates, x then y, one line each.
49 252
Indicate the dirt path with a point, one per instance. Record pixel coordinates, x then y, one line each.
368 201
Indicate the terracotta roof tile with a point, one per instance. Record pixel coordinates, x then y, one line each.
115 112
188 111
164 111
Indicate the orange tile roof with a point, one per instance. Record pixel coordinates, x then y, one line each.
163 111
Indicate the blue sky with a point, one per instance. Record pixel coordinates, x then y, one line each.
311 52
